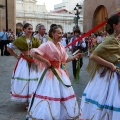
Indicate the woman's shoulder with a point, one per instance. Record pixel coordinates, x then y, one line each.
109 39
34 38
19 39
48 43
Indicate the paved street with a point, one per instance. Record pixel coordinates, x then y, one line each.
15 111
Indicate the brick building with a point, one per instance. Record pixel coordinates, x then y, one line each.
95 12
11 5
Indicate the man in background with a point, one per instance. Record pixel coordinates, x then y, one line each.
4 42
41 34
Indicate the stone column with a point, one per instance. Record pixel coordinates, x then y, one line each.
12 15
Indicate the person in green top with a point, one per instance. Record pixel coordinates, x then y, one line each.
101 97
25 74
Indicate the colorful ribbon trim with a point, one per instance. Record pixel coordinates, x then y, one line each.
100 105
58 77
16 66
43 74
33 97
27 59
77 71
58 64
20 96
55 99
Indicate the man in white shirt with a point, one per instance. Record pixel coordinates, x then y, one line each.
74 47
100 38
41 34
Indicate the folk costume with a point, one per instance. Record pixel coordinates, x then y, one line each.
53 100
25 74
101 97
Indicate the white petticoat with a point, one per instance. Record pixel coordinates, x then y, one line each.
53 100
23 82
101 98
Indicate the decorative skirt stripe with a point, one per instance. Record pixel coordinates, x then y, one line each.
20 96
54 99
25 79
101 106
16 66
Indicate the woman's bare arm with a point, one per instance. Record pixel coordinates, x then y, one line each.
40 58
12 53
74 57
103 62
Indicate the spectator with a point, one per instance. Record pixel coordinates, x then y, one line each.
4 42
41 34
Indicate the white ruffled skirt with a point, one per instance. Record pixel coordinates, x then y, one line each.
101 98
53 100
23 81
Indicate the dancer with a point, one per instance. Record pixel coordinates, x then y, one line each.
53 100
101 97
25 73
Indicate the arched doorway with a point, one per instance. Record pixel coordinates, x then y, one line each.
99 16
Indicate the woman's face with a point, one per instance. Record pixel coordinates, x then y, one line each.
77 34
28 30
57 35
117 28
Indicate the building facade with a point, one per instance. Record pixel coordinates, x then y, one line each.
96 11
68 5
11 19
29 11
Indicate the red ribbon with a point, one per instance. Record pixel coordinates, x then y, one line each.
89 32
28 59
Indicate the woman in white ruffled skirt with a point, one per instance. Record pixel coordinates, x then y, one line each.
101 97
25 74
53 100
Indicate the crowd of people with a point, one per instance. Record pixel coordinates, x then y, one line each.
6 37
91 40
41 81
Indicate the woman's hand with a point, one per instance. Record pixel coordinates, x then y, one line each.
113 67
48 63
78 55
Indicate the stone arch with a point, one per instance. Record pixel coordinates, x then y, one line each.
99 16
